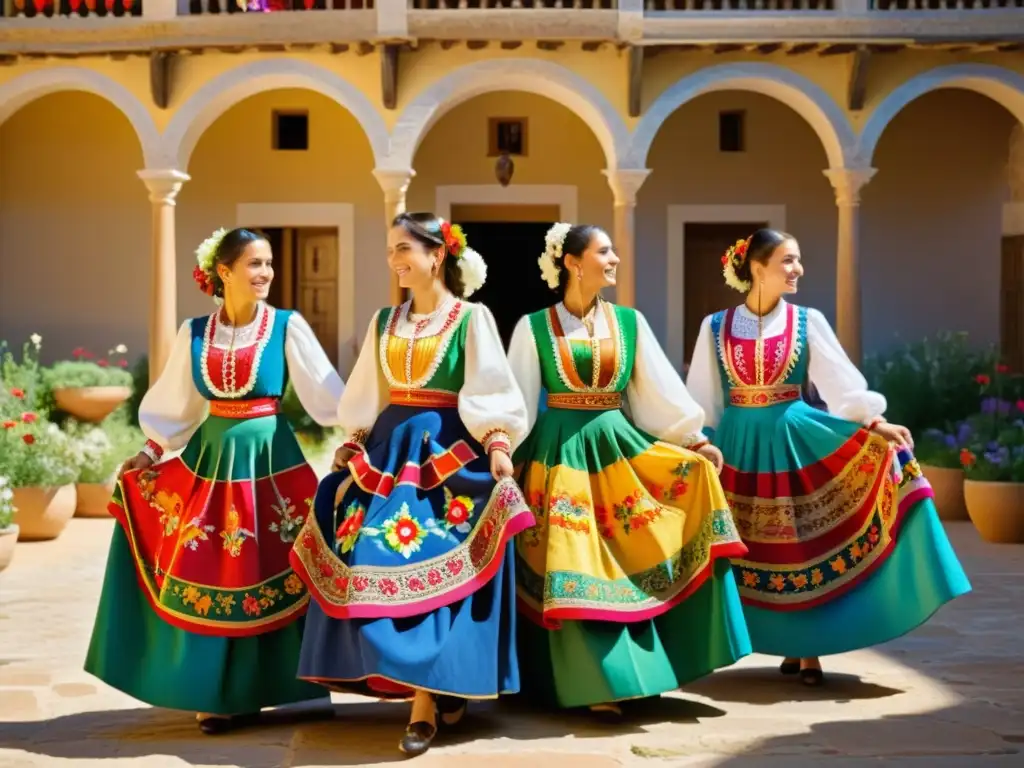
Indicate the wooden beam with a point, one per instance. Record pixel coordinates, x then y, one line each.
592 45
728 47
364 49
636 80
856 89
339 47
160 77
549 45
768 48
511 45
834 50
476 45
798 48
389 75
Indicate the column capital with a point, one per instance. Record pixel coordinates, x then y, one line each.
394 181
848 182
163 183
625 183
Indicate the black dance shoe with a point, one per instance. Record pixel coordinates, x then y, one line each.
417 739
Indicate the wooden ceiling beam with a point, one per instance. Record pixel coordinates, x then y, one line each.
160 64
389 75
857 87
636 80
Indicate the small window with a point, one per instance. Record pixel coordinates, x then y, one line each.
507 135
291 131
731 131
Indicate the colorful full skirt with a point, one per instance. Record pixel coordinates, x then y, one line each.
409 561
625 580
200 609
845 546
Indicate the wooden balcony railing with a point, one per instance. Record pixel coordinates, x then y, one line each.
733 6
203 7
944 5
33 8
526 5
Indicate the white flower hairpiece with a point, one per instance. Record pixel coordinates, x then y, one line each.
734 257
473 269
548 261
204 273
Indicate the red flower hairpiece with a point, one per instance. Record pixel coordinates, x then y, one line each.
454 238
203 281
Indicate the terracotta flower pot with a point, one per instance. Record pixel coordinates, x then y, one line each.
997 510
90 404
8 538
948 485
43 513
93 499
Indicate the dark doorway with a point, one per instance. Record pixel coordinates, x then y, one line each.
705 290
514 286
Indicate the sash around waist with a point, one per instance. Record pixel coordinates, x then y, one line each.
763 397
585 401
424 398
245 409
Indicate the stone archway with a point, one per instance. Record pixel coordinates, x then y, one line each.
220 94
24 89
806 98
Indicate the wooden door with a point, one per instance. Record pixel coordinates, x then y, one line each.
1011 303
318 285
705 290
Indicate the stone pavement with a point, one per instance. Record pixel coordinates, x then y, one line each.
950 694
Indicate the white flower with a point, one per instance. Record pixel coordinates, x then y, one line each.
206 250
6 494
3 481
121 349
36 340
473 269
548 261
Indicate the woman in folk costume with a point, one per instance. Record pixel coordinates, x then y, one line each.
409 556
625 583
845 546
200 609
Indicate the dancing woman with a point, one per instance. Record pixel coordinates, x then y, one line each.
200 609
409 555
845 546
625 581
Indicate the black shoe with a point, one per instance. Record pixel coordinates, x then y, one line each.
213 726
790 667
417 738
812 677
451 709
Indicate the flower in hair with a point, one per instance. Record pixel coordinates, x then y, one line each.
454 238
549 261
204 273
733 259
473 269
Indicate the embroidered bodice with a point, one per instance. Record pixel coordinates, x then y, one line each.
770 361
424 351
456 350
552 352
730 365
572 361
278 346
251 365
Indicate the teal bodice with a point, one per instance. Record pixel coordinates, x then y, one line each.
258 370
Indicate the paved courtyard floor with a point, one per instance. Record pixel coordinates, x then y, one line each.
950 694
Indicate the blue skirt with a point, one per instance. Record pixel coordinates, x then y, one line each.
409 561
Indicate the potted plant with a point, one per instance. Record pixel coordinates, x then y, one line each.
939 451
99 451
90 389
8 530
993 463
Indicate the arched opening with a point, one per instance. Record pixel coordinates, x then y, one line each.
933 239
65 187
298 166
724 164
557 177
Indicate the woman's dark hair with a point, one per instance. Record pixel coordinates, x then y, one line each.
576 241
425 229
230 250
760 249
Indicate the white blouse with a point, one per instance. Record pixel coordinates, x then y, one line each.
657 399
843 388
173 409
490 399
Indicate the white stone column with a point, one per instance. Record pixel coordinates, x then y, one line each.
848 182
625 183
394 183
163 186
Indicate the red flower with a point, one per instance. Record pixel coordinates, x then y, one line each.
360 583
123 363
416 584
983 379
967 458
350 524
10 424
341 583
308 541
78 352
407 531
1002 368
29 439
326 571
454 566
1020 405
458 513
102 363
434 577
29 418
387 587
251 606
18 393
